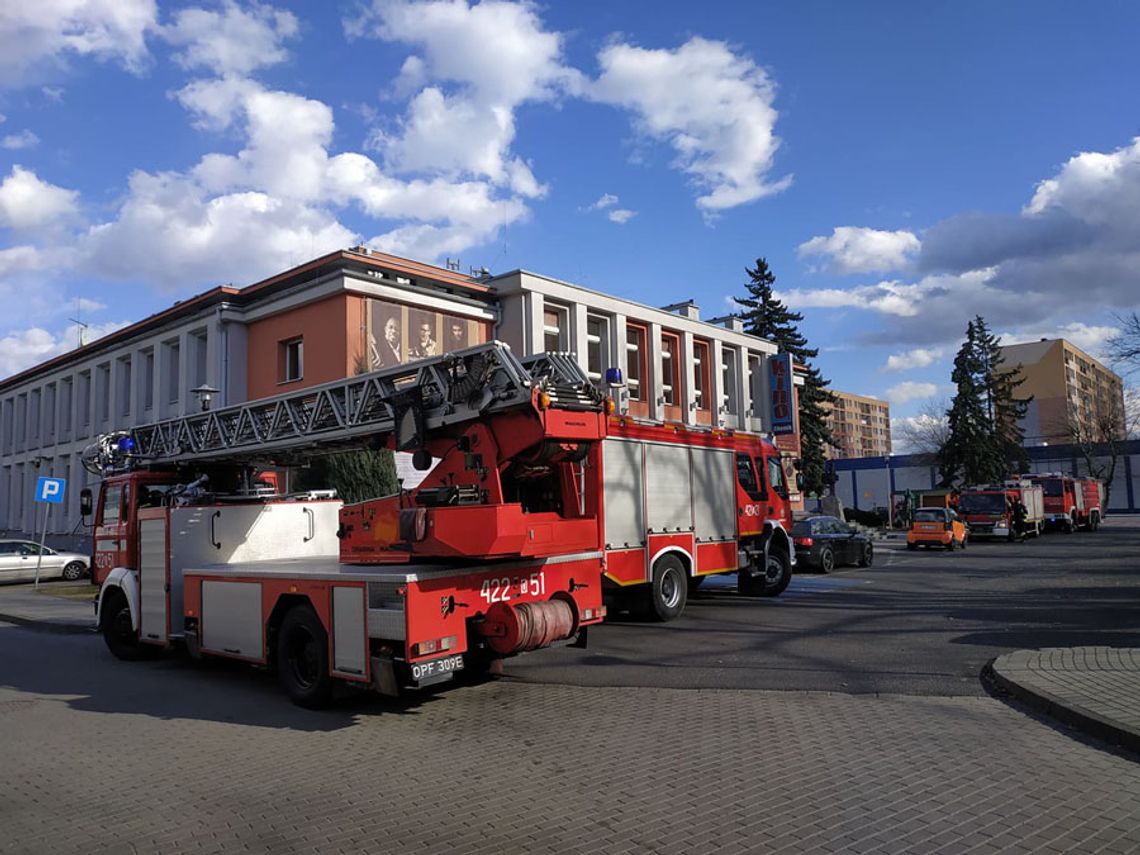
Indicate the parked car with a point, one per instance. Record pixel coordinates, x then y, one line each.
937 527
824 542
18 560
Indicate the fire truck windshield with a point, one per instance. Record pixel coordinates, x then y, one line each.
1052 487
982 503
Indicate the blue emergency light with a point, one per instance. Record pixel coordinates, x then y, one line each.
614 378
126 444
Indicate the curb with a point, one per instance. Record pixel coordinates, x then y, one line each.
1053 707
48 626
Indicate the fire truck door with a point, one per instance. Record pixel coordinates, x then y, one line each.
154 588
112 544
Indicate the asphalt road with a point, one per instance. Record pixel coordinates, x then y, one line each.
915 623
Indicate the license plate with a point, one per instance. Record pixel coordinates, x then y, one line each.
436 667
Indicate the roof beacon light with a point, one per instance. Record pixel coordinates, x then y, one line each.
126 444
614 378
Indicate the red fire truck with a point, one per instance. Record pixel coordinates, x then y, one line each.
501 549
1071 503
1009 510
497 555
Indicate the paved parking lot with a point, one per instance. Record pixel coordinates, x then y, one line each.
100 755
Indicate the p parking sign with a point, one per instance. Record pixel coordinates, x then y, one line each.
50 490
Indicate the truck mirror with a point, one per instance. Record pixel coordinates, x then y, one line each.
85 505
799 482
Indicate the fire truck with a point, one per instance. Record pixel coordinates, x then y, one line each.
1071 503
534 495
496 553
992 510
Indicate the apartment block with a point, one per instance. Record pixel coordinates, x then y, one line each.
1075 397
860 426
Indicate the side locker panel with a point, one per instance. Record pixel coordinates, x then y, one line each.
231 619
667 481
714 494
624 511
152 579
350 638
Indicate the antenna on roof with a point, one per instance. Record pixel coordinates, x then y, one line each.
82 326
453 265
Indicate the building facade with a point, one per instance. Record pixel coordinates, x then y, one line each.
860 426
350 312
1075 397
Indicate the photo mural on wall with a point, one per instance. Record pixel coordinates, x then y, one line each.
397 334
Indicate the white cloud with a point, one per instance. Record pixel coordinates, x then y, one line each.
621 216
231 40
713 107
607 200
860 250
1095 187
920 357
888 297
20 259
53 93
910 390
478 65
22 349
37 36
28 203
24 139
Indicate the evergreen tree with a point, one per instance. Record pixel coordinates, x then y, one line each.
767 317
355 475
984 441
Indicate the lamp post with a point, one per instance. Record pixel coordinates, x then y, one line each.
205 394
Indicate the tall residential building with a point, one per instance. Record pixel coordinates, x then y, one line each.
861 426
1075 398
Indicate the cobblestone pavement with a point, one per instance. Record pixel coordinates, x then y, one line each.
172 756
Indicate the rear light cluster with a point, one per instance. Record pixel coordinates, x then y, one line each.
804 541
436 645
594 614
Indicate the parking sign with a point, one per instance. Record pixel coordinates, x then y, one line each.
50 490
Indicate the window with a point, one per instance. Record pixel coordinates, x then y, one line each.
555 323
292 360
172 371
702 366
636 362
112 499
776 476
670 368
6 430
84 398
746 475
728 396
34 416
146 380
103 391
49 410
597 348
198 352
123 386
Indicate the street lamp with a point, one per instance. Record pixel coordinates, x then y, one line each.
205 393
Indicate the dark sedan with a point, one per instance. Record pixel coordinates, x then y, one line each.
825 542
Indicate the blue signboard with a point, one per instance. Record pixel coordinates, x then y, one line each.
50 490
782 396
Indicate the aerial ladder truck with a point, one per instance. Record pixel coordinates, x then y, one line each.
498 551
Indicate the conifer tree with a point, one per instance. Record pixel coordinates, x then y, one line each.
767 317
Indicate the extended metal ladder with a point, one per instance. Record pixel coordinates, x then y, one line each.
408 400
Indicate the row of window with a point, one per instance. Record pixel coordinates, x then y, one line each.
101 394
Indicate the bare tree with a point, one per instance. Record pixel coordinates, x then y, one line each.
1124 347
1100 436
925 433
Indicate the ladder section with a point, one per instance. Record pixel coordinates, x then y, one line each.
408 400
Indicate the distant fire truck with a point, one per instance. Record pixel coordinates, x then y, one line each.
1011 510
1071 503
536 496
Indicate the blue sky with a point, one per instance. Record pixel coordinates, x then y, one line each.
902 166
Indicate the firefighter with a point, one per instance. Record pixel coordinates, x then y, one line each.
1018 517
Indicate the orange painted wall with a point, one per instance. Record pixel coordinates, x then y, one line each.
330 331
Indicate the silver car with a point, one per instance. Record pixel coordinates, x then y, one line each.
18 562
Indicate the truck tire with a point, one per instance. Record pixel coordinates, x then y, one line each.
777 574
118 634
670 589
303 658
826 559
1094 521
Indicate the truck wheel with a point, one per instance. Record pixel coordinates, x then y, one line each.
303 658
74 571
1094 522
670 589
827 559
118 634
777 574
